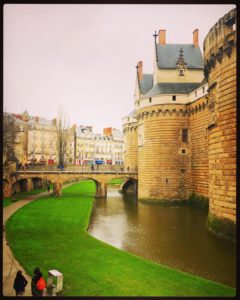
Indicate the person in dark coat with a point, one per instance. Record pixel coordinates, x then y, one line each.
19 284
37 274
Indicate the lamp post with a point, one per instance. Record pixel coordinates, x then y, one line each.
82 156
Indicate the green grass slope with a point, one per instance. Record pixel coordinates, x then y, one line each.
52 233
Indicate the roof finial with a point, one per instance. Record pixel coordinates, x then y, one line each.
155 37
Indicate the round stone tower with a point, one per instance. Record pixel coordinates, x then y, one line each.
130 141
220 71
163 157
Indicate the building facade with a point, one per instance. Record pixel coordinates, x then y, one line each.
42 138
36 143
94 148
182 134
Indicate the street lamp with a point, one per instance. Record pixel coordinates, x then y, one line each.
82 157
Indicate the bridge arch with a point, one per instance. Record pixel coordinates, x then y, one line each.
57 178
20 185
129 186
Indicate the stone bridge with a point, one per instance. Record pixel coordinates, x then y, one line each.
27 180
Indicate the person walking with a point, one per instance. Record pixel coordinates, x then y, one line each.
38 284
20 283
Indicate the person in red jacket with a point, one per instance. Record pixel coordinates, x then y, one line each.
37 274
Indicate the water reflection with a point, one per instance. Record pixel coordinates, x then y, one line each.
173 236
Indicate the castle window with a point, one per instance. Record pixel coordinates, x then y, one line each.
174 98
182 170
184 135
181 72
203 89
183 151
195 94
150 99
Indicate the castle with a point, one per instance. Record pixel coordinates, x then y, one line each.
181 137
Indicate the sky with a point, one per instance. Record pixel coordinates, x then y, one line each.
81 58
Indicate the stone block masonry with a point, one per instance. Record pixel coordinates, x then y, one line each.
202 166
221 75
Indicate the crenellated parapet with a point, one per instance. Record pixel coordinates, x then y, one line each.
162 111
219 42
129 128
198 106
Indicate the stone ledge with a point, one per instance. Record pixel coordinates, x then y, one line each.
162 202
221 227
199 201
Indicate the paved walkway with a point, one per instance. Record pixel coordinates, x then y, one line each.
10 264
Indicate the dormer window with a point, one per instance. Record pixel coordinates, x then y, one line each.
150 99
181 65
174 98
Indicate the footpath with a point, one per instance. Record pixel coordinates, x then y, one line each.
10 264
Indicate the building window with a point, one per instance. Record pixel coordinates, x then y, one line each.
195 94
150 99
183 151
184 135
203 89
181 72
140 135
174 98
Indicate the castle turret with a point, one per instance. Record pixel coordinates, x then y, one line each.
130 141
164 150
220 70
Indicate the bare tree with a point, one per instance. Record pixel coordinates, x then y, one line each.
62 134
10 131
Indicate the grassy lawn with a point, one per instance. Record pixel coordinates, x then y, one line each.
20 196
52 233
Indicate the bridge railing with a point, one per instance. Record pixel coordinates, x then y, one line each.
73 172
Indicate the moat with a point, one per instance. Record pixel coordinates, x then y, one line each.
172 236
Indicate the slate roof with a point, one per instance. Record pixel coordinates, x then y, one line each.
168 55
41 121
146 83
172 88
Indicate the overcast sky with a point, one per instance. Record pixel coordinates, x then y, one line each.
83 57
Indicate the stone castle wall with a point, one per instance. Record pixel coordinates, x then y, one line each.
220 69
208 166
131 150
198 122
163 170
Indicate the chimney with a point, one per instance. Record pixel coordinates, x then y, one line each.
162 36
140 70
195 38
